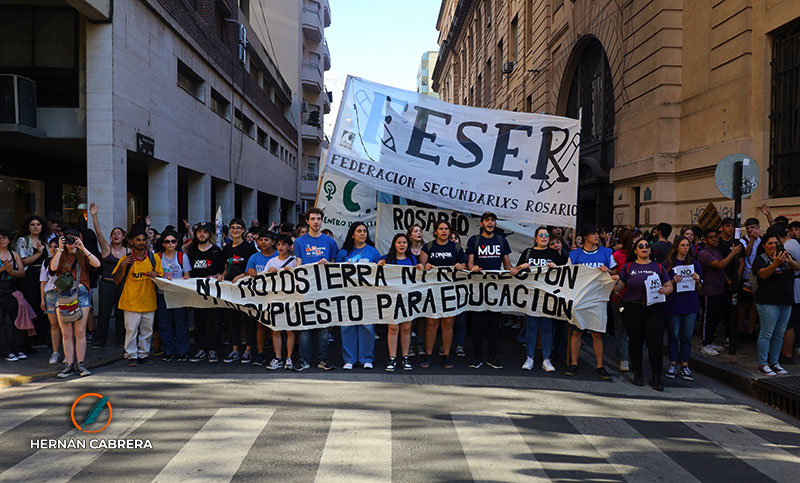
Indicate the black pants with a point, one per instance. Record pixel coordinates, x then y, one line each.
30 289
208 328
716 305
645 323
11 338
240 328
107 300
484 326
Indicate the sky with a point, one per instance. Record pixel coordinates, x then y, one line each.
379 40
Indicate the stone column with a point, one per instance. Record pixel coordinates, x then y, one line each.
162 193
199 198
249 205
225 198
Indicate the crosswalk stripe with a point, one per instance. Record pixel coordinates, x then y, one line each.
358 448
216 451
57 465
634 457
11 418
494 449
774 462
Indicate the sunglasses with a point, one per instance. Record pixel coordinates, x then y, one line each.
169 242
543 235
643 245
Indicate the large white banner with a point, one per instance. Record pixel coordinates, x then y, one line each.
345 202
394 219
323 295
521 166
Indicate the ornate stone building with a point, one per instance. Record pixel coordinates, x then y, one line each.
666 89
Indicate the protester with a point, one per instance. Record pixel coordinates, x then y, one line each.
620 334
241 327
12 339
681 309
792 246
592 255
54 224
399 254
661 246
257 263
173 324
539 255
49 298
714 288
747 307
314 247
32 249
135 274
460 323
108 292
72 260
644 319
283 261
358 341
726 244
206 260
414 234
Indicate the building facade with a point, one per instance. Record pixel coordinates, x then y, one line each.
163 107
665 88
424 73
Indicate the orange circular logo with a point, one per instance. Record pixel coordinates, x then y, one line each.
93 413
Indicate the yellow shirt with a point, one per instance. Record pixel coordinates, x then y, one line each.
139 292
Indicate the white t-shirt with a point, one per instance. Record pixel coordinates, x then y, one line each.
279 264
44 276
748 261
793 247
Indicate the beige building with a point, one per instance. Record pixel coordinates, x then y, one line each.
666 88
424 73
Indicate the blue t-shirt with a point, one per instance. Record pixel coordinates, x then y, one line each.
259 261
365 254
311 250
488 253
445 255
409 261
602 257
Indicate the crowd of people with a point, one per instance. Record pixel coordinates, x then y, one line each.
60 287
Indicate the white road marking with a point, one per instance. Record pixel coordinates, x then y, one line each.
11 418
358 448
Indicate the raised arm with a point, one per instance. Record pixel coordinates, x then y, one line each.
105 248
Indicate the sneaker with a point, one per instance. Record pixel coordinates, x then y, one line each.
411 351
686 374
11 357
82 370
460 351
232 357
718 348
655 383
97 345
441 351
603 374
182 358
391 365
528 365
709 350
778 369
325 365
421 349
21 356
168 358
66 372
246 358
199 356
288 365
275 364
406 364
624 366
212 356
347 366
367 365
302 366
547 366
766 370
447 363
571 370
133 362
54 357
494 362
426 362
476 363
89 336
260 359
638 380
672 371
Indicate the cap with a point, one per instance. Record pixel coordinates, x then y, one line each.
726 221
207 227
586 229
488 214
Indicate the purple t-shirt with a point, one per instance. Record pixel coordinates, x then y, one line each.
713 278
680 303
633 275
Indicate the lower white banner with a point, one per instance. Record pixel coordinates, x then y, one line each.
324 295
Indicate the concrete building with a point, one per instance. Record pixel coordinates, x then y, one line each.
667 88
161 107
424 73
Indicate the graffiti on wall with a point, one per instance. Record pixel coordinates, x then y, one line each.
724 212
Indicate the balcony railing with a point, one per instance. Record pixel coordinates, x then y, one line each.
312 22
311 75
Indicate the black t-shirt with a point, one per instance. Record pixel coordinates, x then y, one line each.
777 289
661 251
236 258
444 255
206 263
732 269
488 253
540 258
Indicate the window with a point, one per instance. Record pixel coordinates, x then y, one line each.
784 146
479 90
191 82
244 6
499 69
261 137
273 147
220 105
514 40
255 72
243 123
488 85
219 23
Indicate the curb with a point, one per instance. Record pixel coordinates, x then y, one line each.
738 379
29 378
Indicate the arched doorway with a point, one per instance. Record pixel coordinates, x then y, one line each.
591 93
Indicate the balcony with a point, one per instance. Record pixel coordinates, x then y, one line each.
326 56
309 181
326 9
327 98
311 20
311 76
311 134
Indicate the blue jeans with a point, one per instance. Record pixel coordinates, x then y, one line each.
534 324
680 330
620 334
307 339
358 344
774 319
173 327
460 330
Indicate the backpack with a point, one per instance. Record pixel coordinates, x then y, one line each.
752 279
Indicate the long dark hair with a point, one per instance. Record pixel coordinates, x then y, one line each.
632 257
391 257
536 237
26 227
436 228
159 248
673 254
349 243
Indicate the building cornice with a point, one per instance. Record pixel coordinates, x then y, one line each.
456 25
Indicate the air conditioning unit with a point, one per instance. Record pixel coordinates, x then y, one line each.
304 107
508 67
17 100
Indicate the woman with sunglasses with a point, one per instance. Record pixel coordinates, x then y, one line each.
399 255
643 321
539 255
173 323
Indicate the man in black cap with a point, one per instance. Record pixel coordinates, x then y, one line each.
487 251
206 260
727 242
